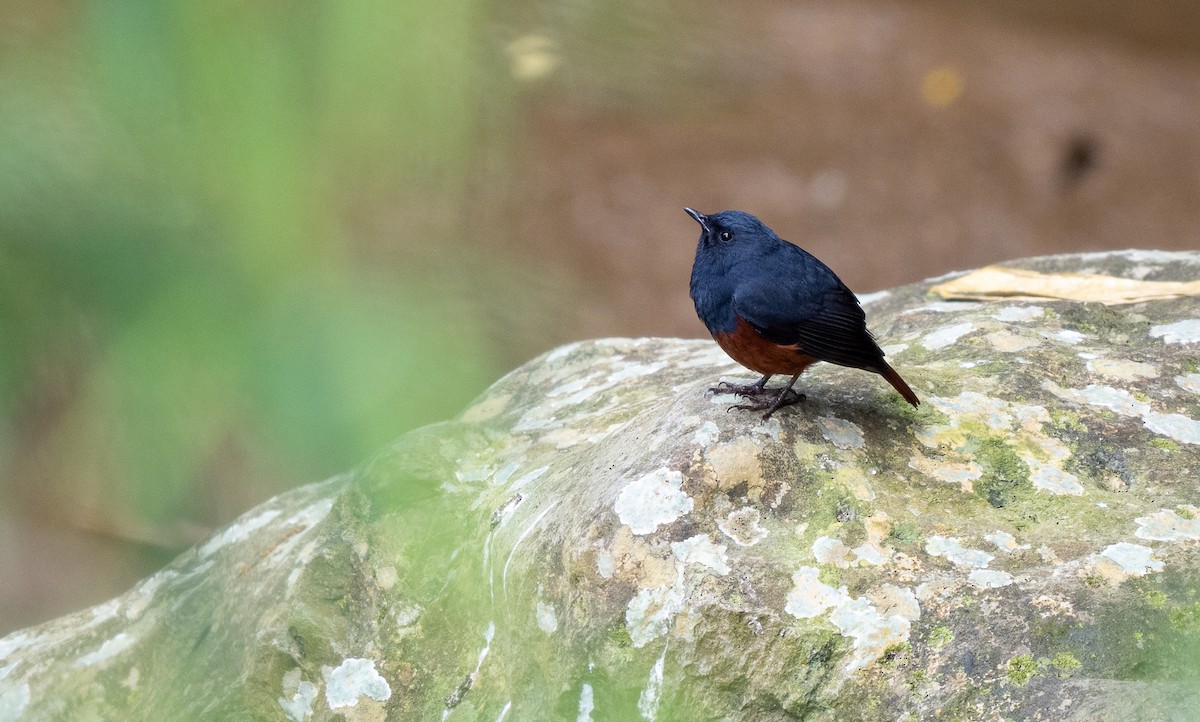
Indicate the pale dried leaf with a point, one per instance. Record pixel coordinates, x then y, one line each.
996 282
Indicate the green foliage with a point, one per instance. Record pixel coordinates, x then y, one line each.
227 241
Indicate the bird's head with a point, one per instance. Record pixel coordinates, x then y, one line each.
729 227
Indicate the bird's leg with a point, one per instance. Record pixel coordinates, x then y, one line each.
787 397
784 399
755 389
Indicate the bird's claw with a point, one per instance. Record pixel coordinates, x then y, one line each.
788 398
743 390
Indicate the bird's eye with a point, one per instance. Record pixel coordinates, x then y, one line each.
725 235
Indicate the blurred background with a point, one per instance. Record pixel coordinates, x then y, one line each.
245 243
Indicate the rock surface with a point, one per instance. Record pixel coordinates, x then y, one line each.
598 538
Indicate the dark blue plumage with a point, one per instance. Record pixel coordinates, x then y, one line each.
774 307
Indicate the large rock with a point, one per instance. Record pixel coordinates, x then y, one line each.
598 538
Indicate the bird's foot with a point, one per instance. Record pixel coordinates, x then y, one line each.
743 390
787 398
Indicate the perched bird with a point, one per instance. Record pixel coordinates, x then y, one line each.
776 309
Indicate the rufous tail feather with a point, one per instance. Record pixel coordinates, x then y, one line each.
894 379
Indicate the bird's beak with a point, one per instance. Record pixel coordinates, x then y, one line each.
700 218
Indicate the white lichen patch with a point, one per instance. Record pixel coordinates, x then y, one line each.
1145 256
700 550
1176 426
131 680
1043 454
652 501
1005 542
296 527
869 554
872 631
1180 524
891 599
827 550
605 563
1019 314
651 694
706 434
547 619
14 643
649 613
742 526
407 614
298 696
354 678
953 550
1179 332
576 399
512 553
13 701
1051 478
487 409
139 599
810 597
989 578
587 703
504 473
1121 369
1134 559
946 336
1118 401
1066 335
841 433
524 480
708 356
634 370
963 474
1189 382
102 613
944 307
111 648
973 405
878 526
237 531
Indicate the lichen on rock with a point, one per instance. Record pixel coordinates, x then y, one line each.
598 537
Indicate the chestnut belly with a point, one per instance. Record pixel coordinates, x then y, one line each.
756 353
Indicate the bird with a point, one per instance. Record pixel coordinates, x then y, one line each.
776 309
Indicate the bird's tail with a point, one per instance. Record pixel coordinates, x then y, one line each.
894 379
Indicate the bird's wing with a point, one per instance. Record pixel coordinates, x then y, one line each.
828 324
